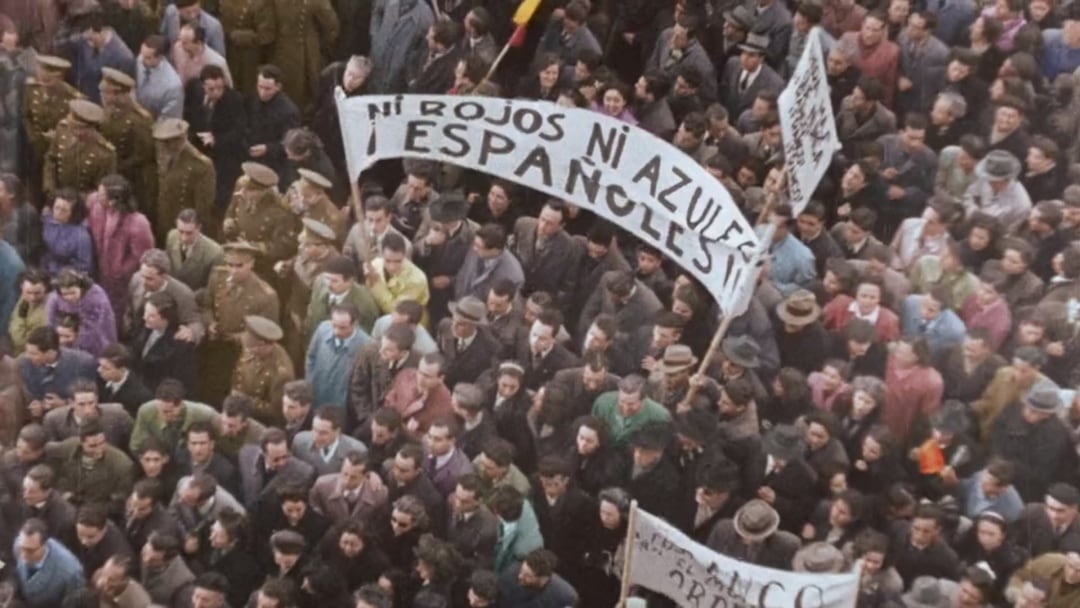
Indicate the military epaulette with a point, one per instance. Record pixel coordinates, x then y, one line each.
107 144
202 158
267 289
32 82
141 111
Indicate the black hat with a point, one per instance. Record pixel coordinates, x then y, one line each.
719 475
784 442
951 418
1065 494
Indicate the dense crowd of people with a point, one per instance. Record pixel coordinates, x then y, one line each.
234 375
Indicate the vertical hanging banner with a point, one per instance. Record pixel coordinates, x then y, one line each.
622 173
807 124
666 561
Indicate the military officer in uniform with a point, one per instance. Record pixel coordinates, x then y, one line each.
256 215
263 370
78 156
298 278
241 47
185 178
129 128
234 291
308 197
45 104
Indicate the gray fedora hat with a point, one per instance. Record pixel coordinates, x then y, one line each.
998 165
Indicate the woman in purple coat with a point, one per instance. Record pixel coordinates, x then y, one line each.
77 294
67 240
121 235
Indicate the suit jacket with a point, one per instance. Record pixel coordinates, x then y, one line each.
71 365
554 269
219 467
371 380
638 312
167 358
445 477
327 496
132 393
318 309
539 372
794 486
512 547
198 523
475 537
256 486
202 257
227 121
941 334
303 447
185 305
567 526
435 77
60 424
737 101
467 365
476 275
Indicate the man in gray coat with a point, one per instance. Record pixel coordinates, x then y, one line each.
487 262
268 466
153 277
398 28
324 447
678 46
923 61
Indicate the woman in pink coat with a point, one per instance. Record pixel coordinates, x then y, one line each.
121 235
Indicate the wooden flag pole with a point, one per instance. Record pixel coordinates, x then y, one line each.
498 60
725 323
628 555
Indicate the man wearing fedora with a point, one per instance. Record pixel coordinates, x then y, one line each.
1032 436
740 357
670 386
654 478
997 192
789 482
440 247
744 76
753 536
800 334
465 340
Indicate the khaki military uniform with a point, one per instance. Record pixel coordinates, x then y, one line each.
43 109
264 379
189 182
226 304
129 131
265 223
242 49
323 210
301 281
77 159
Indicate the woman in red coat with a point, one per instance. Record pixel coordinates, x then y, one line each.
121 235
865 305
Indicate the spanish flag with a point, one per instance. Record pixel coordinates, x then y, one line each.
525 12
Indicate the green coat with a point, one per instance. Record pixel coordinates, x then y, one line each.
108 483
189 182
148 422
299 35
606 408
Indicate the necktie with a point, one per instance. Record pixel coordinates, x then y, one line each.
350 499
744 82
146 73
183 253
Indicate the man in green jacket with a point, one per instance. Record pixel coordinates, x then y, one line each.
168 417
627 410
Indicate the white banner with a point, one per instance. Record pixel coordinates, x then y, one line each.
666 561
807 124
622 173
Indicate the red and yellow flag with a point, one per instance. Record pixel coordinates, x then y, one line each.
525 12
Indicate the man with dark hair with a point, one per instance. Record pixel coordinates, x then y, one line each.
690 137
48 370
473 529
354 492
97 49
433 73
620 294
440 246
64 422
420 394
654 113
535 582
190 53
146 514
543 355
98 539
29 312
564 513
215 110
446 463
165 575
325 446
384 435
407 477
863 115
376 366
90 471
191 11
337 285
488 261
193 254
271 114
921 549
548 254
570 35
158 87
393 277
268 466
168 416
679 46
199 455
229 555
238 428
